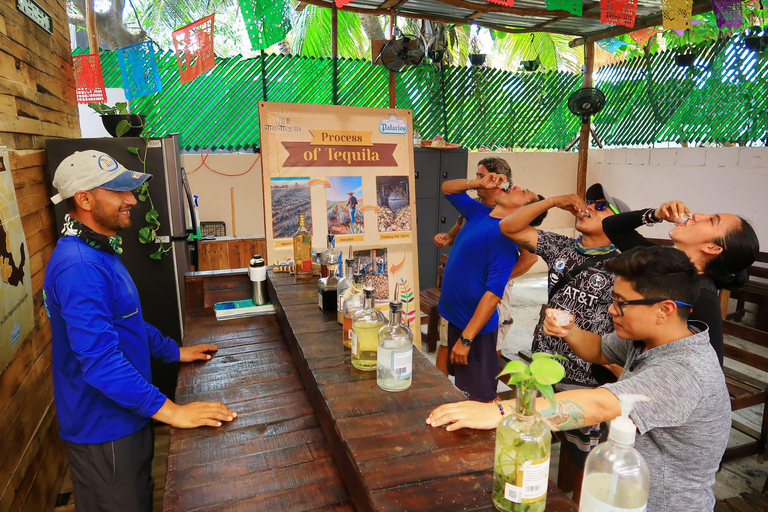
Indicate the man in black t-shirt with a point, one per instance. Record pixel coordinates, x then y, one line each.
586 296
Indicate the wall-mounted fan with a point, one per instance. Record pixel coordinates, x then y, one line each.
585 103
401 52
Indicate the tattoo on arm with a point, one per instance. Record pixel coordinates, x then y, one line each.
568 415
527 245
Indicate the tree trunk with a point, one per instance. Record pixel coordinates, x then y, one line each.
371 26
110 25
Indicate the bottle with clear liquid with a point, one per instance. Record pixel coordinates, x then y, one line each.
616 477
353 302
344 284
329 257
365 336
302 251
394 358
326 291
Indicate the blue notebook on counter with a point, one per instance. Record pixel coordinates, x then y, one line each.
241 309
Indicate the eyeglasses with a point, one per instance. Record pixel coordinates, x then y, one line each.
602 205
619 304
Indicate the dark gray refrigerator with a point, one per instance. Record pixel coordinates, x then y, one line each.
160 282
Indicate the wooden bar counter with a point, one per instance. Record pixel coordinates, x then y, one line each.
311 423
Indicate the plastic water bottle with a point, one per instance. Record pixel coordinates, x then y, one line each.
616 477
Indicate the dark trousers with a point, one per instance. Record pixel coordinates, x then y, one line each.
477 379
115 476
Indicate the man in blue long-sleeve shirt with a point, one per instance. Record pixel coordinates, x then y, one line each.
102 346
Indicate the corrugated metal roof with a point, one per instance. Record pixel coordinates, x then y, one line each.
462 11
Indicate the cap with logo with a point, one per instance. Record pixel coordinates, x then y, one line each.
597 192
86 170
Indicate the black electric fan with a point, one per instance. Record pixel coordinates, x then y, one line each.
585 103
401 52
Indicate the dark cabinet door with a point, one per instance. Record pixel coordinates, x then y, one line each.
434 213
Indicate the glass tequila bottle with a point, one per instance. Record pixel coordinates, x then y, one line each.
394 368
365 336
302 251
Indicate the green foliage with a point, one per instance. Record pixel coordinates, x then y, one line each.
311 34
543 372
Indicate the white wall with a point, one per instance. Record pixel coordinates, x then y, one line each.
546 173
215 194
708 180
90 122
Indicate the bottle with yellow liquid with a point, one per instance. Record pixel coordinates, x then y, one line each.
345 283
353 302
365 337
302 251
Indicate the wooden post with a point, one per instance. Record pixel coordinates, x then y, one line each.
335 53
90 27
232 199
392 101
581 176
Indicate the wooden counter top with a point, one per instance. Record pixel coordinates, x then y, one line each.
389 458
312 432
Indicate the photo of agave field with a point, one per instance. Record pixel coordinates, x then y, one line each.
290 197
340 205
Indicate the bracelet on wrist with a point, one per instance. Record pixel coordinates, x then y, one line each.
468 181
649 219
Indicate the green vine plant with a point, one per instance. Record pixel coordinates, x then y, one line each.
148 234
543 372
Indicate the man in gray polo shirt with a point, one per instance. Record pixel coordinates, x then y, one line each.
684 428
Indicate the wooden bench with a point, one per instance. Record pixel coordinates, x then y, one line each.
428 300
754 291
746 391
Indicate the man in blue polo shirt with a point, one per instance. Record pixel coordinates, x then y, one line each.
475 276
102 346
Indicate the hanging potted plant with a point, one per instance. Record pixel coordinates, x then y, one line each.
118 121
756 39
523 441
476 58
531 65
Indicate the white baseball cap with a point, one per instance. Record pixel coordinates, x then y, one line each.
86 170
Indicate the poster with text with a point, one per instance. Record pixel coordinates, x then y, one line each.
16 304
349 170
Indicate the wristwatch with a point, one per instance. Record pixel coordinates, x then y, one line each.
466 341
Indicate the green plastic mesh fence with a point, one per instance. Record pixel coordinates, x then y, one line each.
723 98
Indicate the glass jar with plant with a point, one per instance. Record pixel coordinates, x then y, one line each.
118 120
523 440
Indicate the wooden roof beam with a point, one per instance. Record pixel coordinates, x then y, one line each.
652 20
301 6
519 11
392 4
439 19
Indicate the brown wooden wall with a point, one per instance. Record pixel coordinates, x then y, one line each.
229 252
37 101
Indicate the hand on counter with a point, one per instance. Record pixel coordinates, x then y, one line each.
196 353
196 414
468 414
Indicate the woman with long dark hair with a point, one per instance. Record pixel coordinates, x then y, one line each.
720 245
